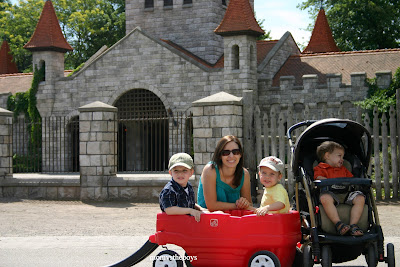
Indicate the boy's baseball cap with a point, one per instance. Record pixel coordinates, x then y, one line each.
273 163
180 159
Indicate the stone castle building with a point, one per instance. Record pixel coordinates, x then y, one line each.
178 52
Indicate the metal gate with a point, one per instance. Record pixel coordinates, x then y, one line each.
148 134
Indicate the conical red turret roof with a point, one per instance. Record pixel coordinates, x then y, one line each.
7 65
239 19
321 40
48 35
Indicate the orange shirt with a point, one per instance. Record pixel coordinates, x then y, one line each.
326 170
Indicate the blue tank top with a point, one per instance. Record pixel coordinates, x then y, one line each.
225 193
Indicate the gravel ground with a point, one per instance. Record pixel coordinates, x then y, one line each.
76 218
22 218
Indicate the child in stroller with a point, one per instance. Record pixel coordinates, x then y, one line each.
330 154
320 241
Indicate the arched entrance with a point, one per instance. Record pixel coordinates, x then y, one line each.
142 132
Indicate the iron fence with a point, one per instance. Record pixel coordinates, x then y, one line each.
143 144
146 144
50 145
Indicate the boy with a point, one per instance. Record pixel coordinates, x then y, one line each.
275 198
331 166
177 197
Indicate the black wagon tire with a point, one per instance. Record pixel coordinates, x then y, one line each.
372 256
187 261
264 258
326 256
167 258
307 256
390 255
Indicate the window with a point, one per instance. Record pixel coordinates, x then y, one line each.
235 57
186 2
148 3
167 2
224 2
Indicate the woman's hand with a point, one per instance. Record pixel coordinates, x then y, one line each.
242 203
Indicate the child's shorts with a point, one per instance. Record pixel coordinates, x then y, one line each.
346 198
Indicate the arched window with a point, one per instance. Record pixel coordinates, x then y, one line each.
168 3
148 3
42 68
235 57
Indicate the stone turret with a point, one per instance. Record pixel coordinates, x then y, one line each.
48 44
321 40
239 30
7 65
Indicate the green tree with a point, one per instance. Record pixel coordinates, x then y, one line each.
2 4
86 24
382 98
267 35
362 24
90 24
17 24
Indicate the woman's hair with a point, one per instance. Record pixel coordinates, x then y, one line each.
217 157
327 146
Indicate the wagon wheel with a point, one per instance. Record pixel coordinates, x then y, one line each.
187 261
167 258
372 256
390 255
326 260
264 258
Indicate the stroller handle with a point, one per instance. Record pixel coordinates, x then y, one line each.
298 125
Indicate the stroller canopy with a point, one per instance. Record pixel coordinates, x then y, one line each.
350 134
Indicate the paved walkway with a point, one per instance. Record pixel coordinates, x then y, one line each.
74 233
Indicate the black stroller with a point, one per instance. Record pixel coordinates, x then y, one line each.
320 243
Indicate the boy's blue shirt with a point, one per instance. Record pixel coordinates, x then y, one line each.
174 194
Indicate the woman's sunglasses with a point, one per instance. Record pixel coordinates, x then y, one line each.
228 152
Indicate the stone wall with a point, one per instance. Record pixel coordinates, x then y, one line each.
330 96
175 78
190 26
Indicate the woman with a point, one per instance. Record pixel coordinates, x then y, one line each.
224 183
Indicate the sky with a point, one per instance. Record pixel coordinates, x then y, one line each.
281 16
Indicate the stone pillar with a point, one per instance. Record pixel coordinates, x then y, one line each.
6 123
383 78
214 117
98 149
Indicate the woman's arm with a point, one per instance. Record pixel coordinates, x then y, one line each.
245 192
209 181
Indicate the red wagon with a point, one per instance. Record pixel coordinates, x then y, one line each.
235 238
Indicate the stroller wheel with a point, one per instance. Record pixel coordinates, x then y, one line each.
326 257
167 258
372 256
307 256
390 255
